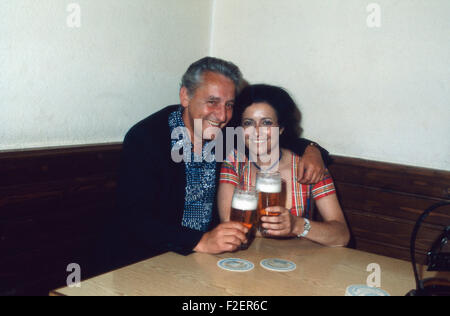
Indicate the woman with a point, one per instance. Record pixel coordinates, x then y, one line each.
270 120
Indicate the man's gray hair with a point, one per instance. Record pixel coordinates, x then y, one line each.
194 75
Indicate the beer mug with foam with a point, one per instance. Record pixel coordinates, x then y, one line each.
269 185
243 208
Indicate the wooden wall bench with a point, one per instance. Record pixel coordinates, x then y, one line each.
382 202
53 203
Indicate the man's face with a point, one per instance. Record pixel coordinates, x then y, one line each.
212 104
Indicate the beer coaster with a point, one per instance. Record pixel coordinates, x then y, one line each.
364 290
278 265
235 264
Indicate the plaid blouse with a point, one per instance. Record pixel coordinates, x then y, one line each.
236 171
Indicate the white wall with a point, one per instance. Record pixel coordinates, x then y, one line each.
375 93
381 94
61 85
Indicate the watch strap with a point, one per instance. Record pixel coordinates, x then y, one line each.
306 228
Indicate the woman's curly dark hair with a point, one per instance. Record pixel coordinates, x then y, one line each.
288 114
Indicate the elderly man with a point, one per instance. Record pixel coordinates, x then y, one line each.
171 206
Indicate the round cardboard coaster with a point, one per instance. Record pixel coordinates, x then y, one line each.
235 264
364 290
278 265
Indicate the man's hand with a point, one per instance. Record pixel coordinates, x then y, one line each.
311 167
226 237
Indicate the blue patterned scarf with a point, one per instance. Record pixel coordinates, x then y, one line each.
200 178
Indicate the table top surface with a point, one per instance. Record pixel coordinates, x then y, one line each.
320 271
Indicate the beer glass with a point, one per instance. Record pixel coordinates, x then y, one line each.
243 209
268 184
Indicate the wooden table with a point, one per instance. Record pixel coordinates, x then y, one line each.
320 271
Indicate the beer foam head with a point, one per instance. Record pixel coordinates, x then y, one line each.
245 202
268 185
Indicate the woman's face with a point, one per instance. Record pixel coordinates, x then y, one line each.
261 128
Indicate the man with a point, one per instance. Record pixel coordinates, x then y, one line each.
169 206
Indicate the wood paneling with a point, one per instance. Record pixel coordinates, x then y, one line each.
392 177
42 165
53 204
383 201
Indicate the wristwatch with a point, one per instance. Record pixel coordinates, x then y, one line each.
306 228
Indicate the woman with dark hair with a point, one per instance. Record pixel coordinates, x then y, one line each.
271 120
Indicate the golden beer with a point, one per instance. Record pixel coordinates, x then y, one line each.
247 218
243 209
269 187
268 200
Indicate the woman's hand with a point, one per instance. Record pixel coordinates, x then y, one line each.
281 226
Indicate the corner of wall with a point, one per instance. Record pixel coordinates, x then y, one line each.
212 28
